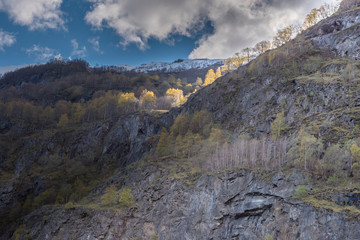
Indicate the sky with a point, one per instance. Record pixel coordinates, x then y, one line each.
113 32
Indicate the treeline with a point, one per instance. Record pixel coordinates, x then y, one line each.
102 106
46 89
283 36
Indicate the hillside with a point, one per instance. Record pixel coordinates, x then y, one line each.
268 151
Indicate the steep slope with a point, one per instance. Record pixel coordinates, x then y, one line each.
313 80
233 205
312 77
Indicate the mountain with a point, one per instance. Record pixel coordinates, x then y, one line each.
268 151
176 66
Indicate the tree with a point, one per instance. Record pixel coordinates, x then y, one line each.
147 99
278 126
162 149
262 47
355 157
199 120
110 196
127 102
218 73
210 77
177 95
233 62
199 81
310 148
283 36
63 121
247 52
311 18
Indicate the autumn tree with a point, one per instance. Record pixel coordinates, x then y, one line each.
199 81
162 149
218 73
127 102
147 99
262 47
210 77
247 53
180 125
177 95
311 18
233 62
110 196
200 120
278 126
355 159
283 36
310 149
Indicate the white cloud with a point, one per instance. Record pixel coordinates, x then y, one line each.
237 24
78 52
58 57
35 14
42 53
6 39
95 42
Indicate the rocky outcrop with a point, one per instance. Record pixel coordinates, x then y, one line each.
233 205
346 5
339 33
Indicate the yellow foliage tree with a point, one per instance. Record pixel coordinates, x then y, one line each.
210 77
312 18
218 73
199 81
233 62
177 95
127 101
147 99
283 36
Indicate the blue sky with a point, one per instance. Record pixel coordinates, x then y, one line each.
112 32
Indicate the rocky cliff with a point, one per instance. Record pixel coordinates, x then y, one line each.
232 205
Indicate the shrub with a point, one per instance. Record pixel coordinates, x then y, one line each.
110 196
333 180
126 198
301 192
69 205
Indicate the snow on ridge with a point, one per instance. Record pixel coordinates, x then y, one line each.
176 66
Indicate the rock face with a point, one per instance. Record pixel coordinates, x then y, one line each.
346 5
339 33
233 205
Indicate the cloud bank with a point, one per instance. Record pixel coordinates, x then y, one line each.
6 39
35 14
237 24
